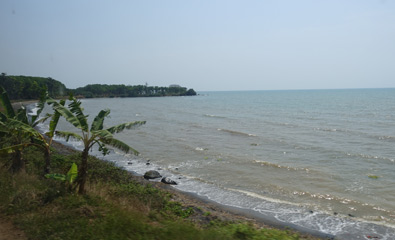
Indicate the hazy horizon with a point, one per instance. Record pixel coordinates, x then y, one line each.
205 45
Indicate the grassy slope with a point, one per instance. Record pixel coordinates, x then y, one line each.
117 206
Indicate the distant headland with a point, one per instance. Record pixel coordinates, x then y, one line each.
28 87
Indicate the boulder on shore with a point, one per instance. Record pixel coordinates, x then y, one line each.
168 181
152 174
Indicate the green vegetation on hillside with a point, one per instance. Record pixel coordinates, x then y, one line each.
26 87
115 206
104 90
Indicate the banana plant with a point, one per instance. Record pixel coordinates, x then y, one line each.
17 132
21 136
96 134
70 177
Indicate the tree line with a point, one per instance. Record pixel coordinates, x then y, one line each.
27 87
120 90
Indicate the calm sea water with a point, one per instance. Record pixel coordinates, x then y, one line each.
320 159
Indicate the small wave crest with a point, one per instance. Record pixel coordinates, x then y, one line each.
236 132
255 195
330 129
32 109
269 164
213 116
367 156
387 138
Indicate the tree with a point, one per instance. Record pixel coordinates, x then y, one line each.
17 129
96 134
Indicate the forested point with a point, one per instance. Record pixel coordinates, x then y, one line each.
27 87
120 90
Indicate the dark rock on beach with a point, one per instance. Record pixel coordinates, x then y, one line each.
168 181
152 174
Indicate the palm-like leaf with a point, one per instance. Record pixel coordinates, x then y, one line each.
40 106
54 121
119 145
97 123
68 135
121 127
106 137
3 117
101 134
43 119
22 115
14 124
12 149
75 107
6 103
66 113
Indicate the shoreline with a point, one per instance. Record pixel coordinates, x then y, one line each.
203 205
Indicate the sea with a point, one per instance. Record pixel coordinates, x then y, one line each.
322 160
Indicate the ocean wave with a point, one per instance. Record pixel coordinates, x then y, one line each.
368 156
214 116
387 138
269 164
236 132
331 129
255 195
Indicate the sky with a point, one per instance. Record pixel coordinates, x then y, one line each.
207 45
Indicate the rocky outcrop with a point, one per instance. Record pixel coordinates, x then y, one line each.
152 174
168 181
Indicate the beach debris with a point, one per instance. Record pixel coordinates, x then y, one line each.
168 181
152 174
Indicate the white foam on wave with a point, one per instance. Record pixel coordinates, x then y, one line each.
32 110
341 226
255 195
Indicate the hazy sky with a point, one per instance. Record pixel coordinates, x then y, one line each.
205 45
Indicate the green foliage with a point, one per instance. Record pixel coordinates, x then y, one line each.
70 177
74 115
26 87
177 209
56 176
43 209
120 90
20 133
72 174
247 231
5 101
